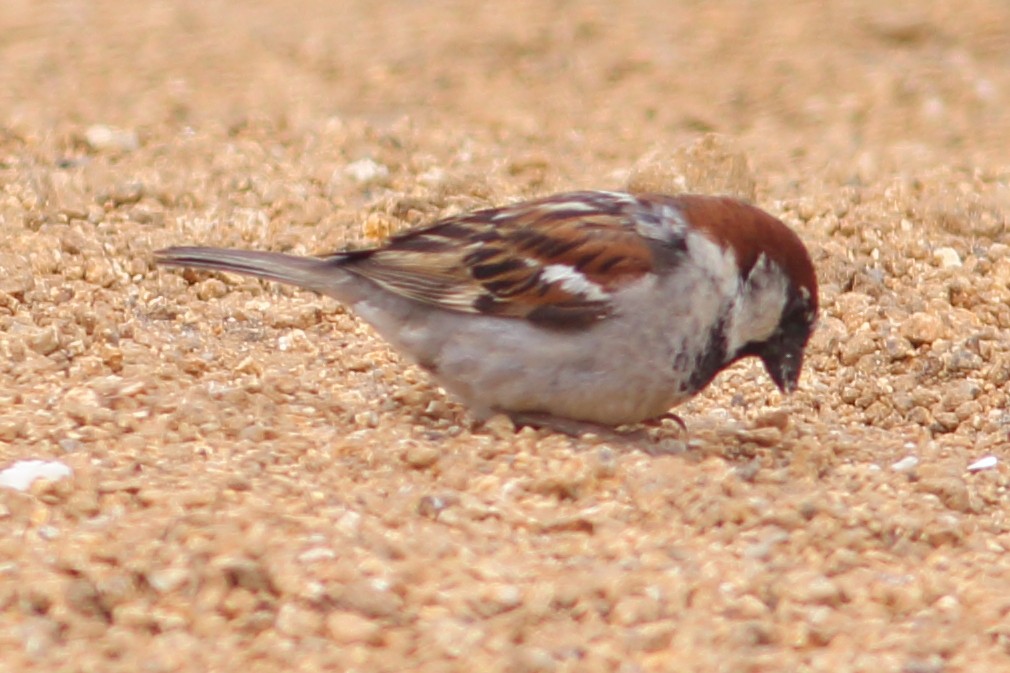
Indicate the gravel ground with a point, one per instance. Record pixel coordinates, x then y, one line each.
260 484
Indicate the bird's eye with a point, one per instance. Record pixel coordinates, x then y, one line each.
798 318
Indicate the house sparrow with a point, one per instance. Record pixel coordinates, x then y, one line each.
572 311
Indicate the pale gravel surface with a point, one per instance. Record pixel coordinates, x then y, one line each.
260 484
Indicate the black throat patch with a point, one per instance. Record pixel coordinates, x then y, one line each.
708 362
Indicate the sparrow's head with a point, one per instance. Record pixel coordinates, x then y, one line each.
782 351
774 309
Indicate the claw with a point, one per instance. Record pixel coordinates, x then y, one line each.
668 416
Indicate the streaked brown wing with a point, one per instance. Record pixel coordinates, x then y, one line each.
555 260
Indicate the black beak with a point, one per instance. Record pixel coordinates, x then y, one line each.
783 359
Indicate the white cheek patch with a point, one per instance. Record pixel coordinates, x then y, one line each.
573 281
757 311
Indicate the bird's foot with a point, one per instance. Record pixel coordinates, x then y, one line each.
657 422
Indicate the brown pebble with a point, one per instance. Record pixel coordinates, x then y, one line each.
762 436
773 419
952 491
922 328
421 456
349 627
44 341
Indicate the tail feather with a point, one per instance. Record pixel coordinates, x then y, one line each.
312 273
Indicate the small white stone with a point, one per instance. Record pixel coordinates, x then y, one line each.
983 463
101 137
947 257
432 177
167 580
366 170
21 475
906 464
349 523
317 554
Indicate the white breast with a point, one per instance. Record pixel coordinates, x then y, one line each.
629 367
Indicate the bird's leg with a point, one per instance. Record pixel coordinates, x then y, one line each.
668 416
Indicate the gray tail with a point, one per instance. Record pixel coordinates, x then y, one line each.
321 275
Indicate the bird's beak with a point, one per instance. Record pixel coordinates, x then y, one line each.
783 359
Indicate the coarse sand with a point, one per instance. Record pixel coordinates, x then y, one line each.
260 484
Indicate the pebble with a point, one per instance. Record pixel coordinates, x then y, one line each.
420 456
654 637
102 138
21 475
124 193
859 345
815 588
11 428
764 436
906 464
500 426
922 328
349 627
952 491
984 463
365 171
39 635
85 406
17 277
167 580
245 572
711 165
295 620
496 598
370 600
631 610
44 341
898 348
317 554
957 393
948 258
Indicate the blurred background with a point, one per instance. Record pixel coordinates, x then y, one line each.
841 87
